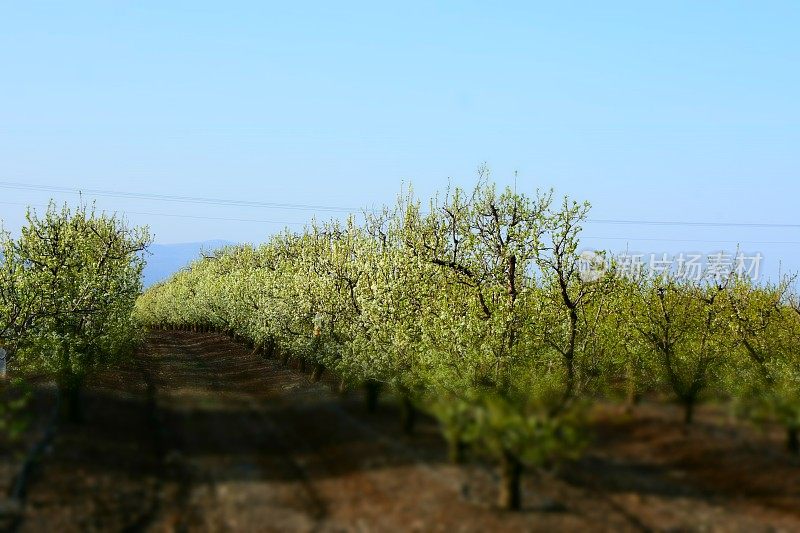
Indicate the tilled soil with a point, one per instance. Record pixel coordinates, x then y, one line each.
198 434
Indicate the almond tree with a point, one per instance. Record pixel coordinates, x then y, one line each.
766 327
392 296
79 273
500 338
687 328
16 314
16 305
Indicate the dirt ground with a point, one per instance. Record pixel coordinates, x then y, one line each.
197 434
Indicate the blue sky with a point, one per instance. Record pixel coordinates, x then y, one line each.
681 111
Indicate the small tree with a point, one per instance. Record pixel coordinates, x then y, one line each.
766 326
686 326
79 274
506 337
628 369
16 302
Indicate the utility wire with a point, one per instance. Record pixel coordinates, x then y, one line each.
656 239
329 208
692 224
197 217
173 198
287 223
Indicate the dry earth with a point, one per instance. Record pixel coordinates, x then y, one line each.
197 434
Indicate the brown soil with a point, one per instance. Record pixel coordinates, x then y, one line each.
197 434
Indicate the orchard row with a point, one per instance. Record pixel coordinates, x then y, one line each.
472 307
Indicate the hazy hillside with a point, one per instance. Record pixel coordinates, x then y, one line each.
166 259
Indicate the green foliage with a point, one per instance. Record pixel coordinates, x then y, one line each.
67 290
686 327
765 324
475 309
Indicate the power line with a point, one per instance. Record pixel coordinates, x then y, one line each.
692 224
196 217
287 223
173 198
227 219
656 239
341 209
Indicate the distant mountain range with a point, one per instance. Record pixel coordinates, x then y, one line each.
166 259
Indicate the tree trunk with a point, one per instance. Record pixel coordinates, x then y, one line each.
302 364
688 412
793 440
510 497
342 387
319 369
70 408
408 414
456 450
372 389
632 396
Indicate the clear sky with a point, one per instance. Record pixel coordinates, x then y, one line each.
676 111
